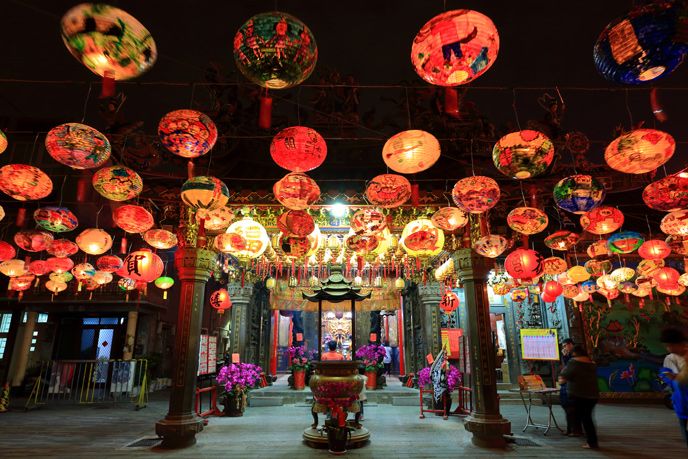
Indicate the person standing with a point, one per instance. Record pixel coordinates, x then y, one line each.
675 374
332 353
573 425
387 360
580 375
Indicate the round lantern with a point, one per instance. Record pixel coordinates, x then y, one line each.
117 183
250 239
554 265
647 267
59 265
388 190
564 280
142 265
361 244
55 219
294 247
609 294
164 283
518 295
216 220
606 282
132 219
62 248
275 50
2 213
599 249
677 290
410 152
449 219
33 240
55 286
7 251
669 193
203 192
666 278
77 146
296 191
296 223
298 149
524 264
24 183
642 46
562 240
21 283
109 263
490 246
602 220
476 194
3 142
654 249
108 41
553 289
220 301
102 277
160 238
641 292
578 274
578 193
683 279
678 244
640 151
589 286
581 297
527 220
501 289
367 222
523 154
627 287
83 271
675 223
420 238
126 284
597 268
625 242
94 241
645 283
455 47
187 133
13 268
449 302
622 274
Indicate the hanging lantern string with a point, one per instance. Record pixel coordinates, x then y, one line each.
98 214
472 166
513 105
62 190
649 230
523 195
628 109
408 107
33 148
88 97
575 254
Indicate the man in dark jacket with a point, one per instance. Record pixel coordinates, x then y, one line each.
573 425
580 375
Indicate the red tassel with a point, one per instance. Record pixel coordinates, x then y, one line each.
360 263
641 303
451 102
657 109
265 113
190 169
21 217
524 241
123 245
83 185
415 195
107 88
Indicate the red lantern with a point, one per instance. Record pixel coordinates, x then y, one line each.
368 222
602 220
548 298
59 265
62 248
669 193
524 264
109 263
7 251
132 219
553 289
298 149
187 133
160 238
654 249
39 267
220 300
33 241
388 190
142 265
296 191
450 302
476 194
77 146
296 223
24 183
666 278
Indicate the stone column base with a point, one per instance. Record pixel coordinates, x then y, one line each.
178 432
488 429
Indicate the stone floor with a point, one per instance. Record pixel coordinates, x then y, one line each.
275 432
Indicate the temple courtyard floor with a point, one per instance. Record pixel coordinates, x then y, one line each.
625 431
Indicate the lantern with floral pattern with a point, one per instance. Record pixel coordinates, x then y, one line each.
160 238
599 249
449 219
640 151
523 154
62 248
24 183
296 223
117 183
298 149
669 193
491 246
602 220
142 265
625 242
7 251
554 265
578 193
132 219
216 220
622 274
562 240
296 191
55 219
59 265
410 152
388 190
94 241
654 249
675 223
33 240
420 238
527 220
476 194
524 264
204 192
187 133
77 146
109 263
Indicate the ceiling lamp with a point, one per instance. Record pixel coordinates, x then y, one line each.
554 265
13 268
109 263
216 220
220 301
24 183
296 223
187 133
94 241
523 154
602 220
160 239
33 240
524 264
59 265
449 219
55 219
675 223
77 146
642 46
527 220
654 249
248 239
562 240
388 190
132 219
640 151
599 249
491 246
410 152
368 222
578 193
455 47
142 265
117 183
205 192
275 50
625 242
420 238
669 193
476 194
7 251
296 191
298 149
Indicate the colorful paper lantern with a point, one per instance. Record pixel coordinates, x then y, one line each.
675 223
368 222
602 220
102 277
669 193
62 248
126 284
599 249
622 274
410 152
296 191
677 290
627 287
455 47
654 249
388 190
642 46
476 194
298 149
216 220
420 238
554 265
21 283
33 240
589 286
578 274
296 223
449 219
518 295
581 297
578 193
117 183
132 219
362 244
142 265
625 242
249 239
77 146
83 271
645 283
220 301
164 283
683 279
640 151
24 183
490 246
527 220
294 247
2 213
606 282
55 287
449 302
3 142
7 251
562 240
678 244
108 41
647 267
109 263
666 277
59 265
524 264
275 50
94 241
187 133
597 268
13 268
523 154
501 289
160 238
55 219
204 192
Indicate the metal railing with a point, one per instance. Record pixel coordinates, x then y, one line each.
91 381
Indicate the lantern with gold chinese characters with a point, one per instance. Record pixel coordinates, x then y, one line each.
298 149
388 190
77 146
410 152
187 133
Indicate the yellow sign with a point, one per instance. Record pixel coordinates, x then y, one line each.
539 344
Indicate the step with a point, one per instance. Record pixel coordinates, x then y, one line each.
265 401
405 401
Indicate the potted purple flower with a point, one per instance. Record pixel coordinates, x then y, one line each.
372 355
299 366
237 379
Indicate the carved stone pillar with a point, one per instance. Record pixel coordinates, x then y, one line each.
430 296
240 326
485 423
181 424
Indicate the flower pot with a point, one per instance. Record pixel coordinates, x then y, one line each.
235 404
299 379
371 384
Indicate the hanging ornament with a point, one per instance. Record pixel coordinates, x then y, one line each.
296 191
578 193
449 219
3 142
553 289
220 301
578 274
677 290
298 149
678 244
62 248
666 278
59 265
581 297
360 244
622 274
449 302
476 194
410 152
562 240
627 287
647 267
160 239
523 154
126 284
102 277
589 286
527 220
55 287
388 190
602 220
109 263
597 268
524 264
33 240
669 193
675 223
625 242
142 265
77 146
490 246
368 222
24 183
296 223
519 295
420 238
554 265
132 219
216 220
654 249
204 192
599 249
640 151
13 268
248 239
7 251
187 133
94 241
83 271
117 183
55 219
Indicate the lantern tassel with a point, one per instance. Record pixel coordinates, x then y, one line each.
415 195
265 112
107 86
123 245
657 109
164 294
451 102
190 169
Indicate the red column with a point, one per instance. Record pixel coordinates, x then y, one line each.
275 340
400 334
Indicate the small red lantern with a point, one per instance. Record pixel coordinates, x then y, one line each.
142 265
132 219
388 190
666 278
59 265
553 289
24 183
449 302
296 223
39 267
7 251
524 264
602 220
296 191
220 300
298 149
654 249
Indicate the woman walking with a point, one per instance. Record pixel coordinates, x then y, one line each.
580 375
